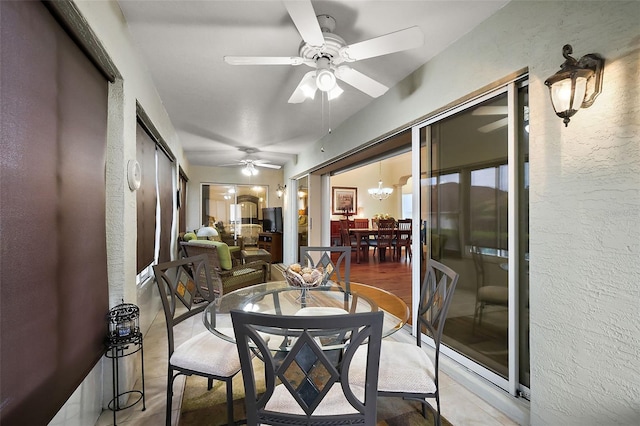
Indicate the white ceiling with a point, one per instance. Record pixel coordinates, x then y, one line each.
219 108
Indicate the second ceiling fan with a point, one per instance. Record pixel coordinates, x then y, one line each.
330 55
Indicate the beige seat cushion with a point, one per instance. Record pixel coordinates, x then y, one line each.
494 294
404 367
333 403
208 354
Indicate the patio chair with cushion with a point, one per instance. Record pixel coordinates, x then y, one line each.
181 283
305 384
406 370
225 267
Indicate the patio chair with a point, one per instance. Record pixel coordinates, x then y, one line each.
225 268
304 383
406 370
180 283
486 294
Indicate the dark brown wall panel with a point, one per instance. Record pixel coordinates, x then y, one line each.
53 291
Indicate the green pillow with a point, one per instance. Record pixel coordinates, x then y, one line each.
224 255
189 236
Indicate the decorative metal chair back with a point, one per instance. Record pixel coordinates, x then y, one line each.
436 294
340 268
304 383
186 283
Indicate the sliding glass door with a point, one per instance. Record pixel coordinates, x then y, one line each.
474 218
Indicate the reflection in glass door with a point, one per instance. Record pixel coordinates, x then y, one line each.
475 166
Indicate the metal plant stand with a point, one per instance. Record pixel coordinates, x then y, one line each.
115 351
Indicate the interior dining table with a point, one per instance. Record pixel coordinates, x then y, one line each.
362 234
279 298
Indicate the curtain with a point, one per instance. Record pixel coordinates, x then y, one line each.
165 192
54 289
146 198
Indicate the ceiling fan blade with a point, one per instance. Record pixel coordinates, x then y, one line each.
494 126
263 60
267 165
360 81
305 89
304 17
406 39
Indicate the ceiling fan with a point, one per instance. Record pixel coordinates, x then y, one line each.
249 164
329 54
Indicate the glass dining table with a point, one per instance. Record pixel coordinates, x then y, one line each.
278 298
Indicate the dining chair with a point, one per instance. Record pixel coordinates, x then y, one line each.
486 294
350 240
406 370
403 239
361 223
181 284
385 238
304 385
340 267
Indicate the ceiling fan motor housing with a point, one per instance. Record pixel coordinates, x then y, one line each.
333 44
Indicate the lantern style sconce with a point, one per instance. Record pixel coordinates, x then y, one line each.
280 190
576 85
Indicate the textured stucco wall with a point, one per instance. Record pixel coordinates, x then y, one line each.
584 196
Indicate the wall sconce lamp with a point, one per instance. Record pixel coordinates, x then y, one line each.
576 85
280 190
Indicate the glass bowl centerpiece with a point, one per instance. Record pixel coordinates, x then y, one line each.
305 277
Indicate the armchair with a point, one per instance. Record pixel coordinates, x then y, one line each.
226 267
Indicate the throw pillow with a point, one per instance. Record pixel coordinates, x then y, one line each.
224 254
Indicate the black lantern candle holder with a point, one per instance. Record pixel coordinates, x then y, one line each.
124 322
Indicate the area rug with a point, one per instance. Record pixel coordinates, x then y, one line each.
203 407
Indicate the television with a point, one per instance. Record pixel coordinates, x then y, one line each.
272 219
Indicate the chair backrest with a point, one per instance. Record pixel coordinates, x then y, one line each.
341 267
478 263
184 283
404 231
360 223
436 294
344 232
386 232
304 383
211 252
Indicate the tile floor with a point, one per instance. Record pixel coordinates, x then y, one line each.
459 405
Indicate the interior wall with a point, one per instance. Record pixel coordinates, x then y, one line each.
584 199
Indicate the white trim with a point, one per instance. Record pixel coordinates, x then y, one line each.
512 171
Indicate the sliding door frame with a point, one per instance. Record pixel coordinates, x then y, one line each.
512 383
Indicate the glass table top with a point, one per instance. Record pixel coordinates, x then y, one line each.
278 298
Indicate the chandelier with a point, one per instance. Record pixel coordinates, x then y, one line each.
380 193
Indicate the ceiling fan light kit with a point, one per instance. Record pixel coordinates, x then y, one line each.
326 51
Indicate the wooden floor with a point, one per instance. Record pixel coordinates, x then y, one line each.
391 275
